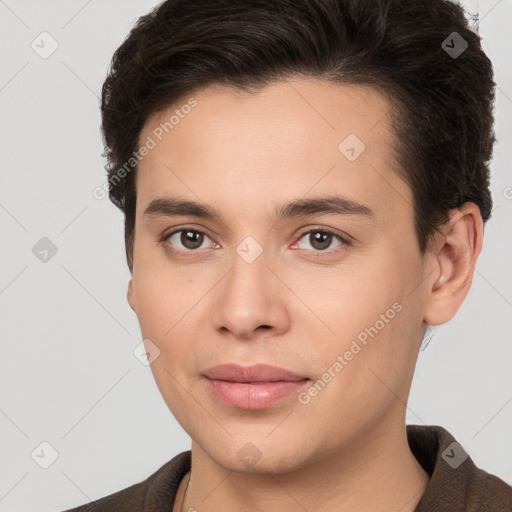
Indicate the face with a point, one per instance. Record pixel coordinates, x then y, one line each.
333 291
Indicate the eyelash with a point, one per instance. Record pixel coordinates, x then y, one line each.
343 239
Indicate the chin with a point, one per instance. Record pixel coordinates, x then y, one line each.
254 457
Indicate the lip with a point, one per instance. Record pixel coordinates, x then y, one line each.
255 373
252 387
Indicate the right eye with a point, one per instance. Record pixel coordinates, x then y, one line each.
190 239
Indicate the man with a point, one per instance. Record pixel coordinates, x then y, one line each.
305 184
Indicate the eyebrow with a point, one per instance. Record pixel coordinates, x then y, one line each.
331 204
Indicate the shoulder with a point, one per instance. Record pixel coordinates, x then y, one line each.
156 492
488 492
456 483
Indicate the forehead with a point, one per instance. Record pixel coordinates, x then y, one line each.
291 138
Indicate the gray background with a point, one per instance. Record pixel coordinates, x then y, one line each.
67 369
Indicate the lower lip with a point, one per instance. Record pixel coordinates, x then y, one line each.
253 396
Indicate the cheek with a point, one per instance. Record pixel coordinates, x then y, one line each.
361 380
369 343
154 311
162 296
351 299
165 312
162 318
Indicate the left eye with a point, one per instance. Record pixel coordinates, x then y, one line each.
322 239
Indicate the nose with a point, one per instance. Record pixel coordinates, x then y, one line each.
251 299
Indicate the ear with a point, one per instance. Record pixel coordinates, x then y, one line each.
129 295
455 253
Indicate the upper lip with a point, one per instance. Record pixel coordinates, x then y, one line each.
255 373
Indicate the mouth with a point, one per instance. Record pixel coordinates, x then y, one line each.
258 373
253 387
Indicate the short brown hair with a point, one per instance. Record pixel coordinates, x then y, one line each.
442 105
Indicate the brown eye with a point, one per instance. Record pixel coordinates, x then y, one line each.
322 239
191 239
185 239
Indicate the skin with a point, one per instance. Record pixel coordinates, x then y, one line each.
345 450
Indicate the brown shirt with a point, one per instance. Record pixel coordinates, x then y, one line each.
456 484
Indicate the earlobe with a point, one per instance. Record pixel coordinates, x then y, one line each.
129 295
456 252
